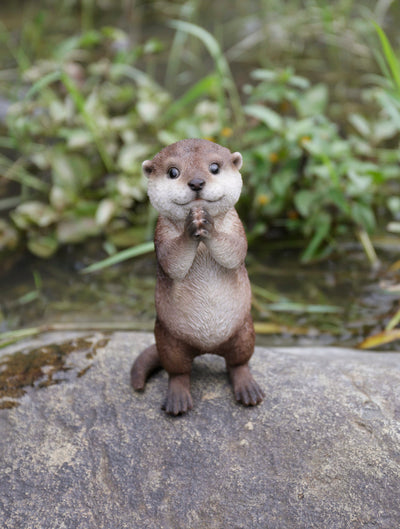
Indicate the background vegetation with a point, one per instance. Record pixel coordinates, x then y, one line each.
308 91
86 109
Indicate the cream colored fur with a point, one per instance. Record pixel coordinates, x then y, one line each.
174 198
210 292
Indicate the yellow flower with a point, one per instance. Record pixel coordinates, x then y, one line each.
262 199
226 132
273 157
304 139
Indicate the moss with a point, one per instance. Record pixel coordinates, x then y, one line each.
37 368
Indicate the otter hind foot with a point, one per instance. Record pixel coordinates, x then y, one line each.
245 388
179 399
145 364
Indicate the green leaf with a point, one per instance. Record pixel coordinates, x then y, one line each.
386 130
264 75
394 205
363 216
42 245
131 155
299 82
77 139
74 230
313 101
390 105
71 171
33 213
281 182
361 125
359 184
338 198
271 118
304 200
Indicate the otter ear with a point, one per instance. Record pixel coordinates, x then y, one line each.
147 167
237 160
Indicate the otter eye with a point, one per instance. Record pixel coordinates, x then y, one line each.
214 168
173 172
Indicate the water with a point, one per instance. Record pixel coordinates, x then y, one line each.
337 302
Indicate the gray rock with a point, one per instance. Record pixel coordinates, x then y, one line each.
322 450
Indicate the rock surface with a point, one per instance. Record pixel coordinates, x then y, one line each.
322 450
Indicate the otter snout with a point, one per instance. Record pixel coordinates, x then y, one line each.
197 184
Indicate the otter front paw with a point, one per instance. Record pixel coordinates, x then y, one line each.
199 224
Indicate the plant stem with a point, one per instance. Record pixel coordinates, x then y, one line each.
368 247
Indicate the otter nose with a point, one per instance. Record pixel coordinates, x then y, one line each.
196 184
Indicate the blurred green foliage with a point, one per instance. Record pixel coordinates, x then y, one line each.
304 175
86 115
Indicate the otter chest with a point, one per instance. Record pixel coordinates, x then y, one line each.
208 305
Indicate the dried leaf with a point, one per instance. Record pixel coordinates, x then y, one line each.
275 328
381 338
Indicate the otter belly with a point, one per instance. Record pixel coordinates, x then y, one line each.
208 306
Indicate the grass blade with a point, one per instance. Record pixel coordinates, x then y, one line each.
395 320
8 338
201 88
289 306
390 56
141 78
320 234
16 172
266 294
129 253
42 83
368 247
226 79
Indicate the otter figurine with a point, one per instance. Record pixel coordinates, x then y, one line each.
203 295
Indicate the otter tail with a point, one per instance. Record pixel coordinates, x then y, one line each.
145 364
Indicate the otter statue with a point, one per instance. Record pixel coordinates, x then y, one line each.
203 295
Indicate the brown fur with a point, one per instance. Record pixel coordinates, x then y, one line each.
203 294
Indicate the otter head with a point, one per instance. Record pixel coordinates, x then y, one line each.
193 172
